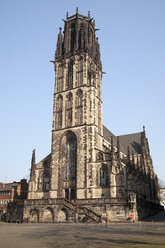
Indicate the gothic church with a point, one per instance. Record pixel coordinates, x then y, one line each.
91 173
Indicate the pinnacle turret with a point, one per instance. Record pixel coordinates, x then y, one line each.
79 35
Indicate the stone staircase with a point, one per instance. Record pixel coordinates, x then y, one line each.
83 210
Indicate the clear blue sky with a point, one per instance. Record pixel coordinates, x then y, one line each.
132 40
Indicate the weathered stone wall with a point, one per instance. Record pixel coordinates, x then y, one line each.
107 181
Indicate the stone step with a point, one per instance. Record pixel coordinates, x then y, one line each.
83 210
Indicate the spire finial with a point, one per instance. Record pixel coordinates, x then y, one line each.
128 151
112 143
143 128
60 29
133 157
77 10
33 155
118 146
89 15
67 15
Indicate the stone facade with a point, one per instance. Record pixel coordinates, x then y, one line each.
90 172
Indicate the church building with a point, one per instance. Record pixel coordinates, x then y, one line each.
90 174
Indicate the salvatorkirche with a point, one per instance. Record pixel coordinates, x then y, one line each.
91 173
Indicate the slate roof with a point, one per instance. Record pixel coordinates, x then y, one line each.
132 140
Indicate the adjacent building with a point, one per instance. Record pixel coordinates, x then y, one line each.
11 193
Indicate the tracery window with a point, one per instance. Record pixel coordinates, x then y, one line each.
60 79
103 176
69 79
79 74
81 37
70 157
44 181
79 107
59 108
68 110
73 36
45 164
99 117
99 156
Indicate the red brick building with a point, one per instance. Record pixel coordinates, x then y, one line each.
10 192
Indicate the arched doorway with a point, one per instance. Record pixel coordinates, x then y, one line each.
34 216
63 215
47 215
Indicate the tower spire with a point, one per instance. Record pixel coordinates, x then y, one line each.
59 44
118 147
33 163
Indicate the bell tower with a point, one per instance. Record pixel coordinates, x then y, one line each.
77 113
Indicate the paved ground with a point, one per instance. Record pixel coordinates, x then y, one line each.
142 234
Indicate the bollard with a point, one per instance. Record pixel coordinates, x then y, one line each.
152 224
86 223
129 225
106 223
140 225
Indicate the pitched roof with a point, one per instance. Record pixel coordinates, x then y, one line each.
132 140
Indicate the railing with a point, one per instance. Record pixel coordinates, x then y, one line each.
91 214
78 201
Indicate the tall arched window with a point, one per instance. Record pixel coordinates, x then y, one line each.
59 107
103 176
99 156
44 181
81 39
68 110
73 36
60 79
79 107
79 74
99 117
69 78
70 157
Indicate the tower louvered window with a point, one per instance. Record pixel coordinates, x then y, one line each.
73 37
69 80
68 110
59 108
81 38
79 79
79 107
60 79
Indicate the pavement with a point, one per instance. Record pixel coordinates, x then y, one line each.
52 235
